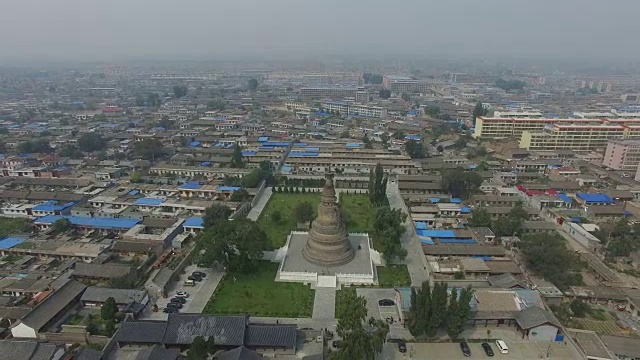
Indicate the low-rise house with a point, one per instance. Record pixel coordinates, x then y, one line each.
538 324
49 310
30 350
128 300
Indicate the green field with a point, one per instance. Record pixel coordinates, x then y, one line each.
393 276
358 211
257 294
277 232
9 226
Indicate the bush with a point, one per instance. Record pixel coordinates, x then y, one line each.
579 308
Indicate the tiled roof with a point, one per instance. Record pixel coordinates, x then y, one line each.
226 330
534 316
147 332
51 306
239 353
267 335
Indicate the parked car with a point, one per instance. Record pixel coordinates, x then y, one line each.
194 278
189 283
170 310
182 294
402 347
466 351
487 349
386 302
199 273
174 305
178 300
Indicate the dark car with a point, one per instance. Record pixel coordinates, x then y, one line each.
169 310
178 300
336 344
487 349
465 348
402 347
199 273
175 305
195 278
386 302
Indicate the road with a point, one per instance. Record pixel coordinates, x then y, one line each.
199 295
416 261
611 174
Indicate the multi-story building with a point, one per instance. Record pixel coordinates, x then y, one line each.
501 127
400 84
622 154
518 114
328 92
574 137
347 108
362 97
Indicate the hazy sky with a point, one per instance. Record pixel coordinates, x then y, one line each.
212 29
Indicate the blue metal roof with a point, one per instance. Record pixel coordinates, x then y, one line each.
434 200
191 185
100 223
52 205
354 145
194 222
134 192
228 188
300 144
302 154
249 153
195 143
564 197
594 198
465 210
457 241
455 200
421 225
149 201
263 138
438 233
276 143
413 137
9 242
426 240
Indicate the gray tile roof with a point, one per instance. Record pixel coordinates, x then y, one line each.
89 354
157 352
267 335
239 353
505 281
52 305
106 271
226 330
122 296
534 316
17 349
44 352
150 332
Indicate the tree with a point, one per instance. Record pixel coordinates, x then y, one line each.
432 110
440 149
61 225
511 224
35 146
236 244
384 93
179 91
304 212
389 228
458 311
367 142
480 217
215 214
478 110
198 350
240 195
508 85
548 256
216 104
237 160
579 308
70 151
153 100
415 149
406 97
148 149
109 309
344 134
253 84
361 339
276 216
135 178
378 186
91 142
460 183
110 327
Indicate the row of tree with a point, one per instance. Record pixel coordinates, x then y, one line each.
461 183
548 256
508 225
619 238
434 308
378 186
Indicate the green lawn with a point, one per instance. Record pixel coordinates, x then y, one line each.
393 275
9 226
258 295
277 232
358 211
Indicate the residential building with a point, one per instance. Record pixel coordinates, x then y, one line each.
328 92
402 84
347 108
622 155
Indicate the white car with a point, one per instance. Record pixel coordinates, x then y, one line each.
182 294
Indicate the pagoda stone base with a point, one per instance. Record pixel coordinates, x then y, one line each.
295 267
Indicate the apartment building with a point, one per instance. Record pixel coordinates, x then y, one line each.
502 127
328 92
622 154
347 108
574 137
401 84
